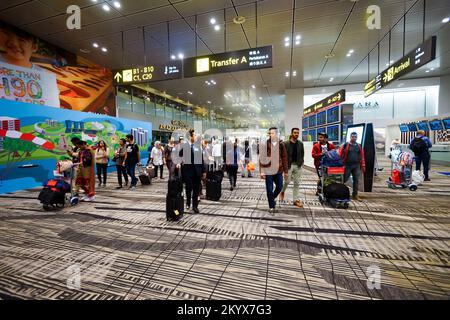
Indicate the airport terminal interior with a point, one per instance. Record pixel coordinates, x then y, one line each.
183 150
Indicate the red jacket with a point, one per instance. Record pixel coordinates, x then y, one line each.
343 153
317 152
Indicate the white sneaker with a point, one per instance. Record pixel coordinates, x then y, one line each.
90 199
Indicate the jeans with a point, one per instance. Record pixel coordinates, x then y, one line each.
121 171
102 171
425 159
161 170
355 171
131 171
294 174
271 194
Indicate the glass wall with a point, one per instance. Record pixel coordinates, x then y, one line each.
158 108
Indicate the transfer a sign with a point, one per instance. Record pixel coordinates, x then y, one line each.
421 55
148 73
333 100
248 59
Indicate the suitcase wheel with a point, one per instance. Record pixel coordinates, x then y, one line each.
413 187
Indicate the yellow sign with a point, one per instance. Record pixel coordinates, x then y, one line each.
203 65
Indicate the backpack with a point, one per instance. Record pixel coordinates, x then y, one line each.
332 159
86 157
418 145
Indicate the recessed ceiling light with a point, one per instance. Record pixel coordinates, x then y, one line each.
286 74
331 79
116 4
253 86
221 108
387 64
260 98
351 51
297 37
213 82
106 7
180 56
431 69
286 39
445 20
286 44
231 112
104 49
427 71
173 57
297 42
212 21
208 102
391 62
217 27
349 54
126 91
189 92
95 45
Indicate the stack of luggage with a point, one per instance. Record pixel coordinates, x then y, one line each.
53 195
143 174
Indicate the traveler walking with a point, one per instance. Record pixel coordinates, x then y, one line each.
318 151
352 155
421 146
157 159
85 178
119 157
101 161
132 158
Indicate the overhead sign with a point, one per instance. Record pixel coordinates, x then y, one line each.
174 125
150 73
333 100
421 55
248 59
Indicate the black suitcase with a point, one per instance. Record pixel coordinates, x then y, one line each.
174 206
213 189
144 177
51 199
336 191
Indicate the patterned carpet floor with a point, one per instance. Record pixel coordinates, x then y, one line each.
121 247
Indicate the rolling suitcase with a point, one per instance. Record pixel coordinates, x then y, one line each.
174 198
214 185
144 177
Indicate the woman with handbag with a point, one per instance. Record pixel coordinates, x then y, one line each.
119 159
157 159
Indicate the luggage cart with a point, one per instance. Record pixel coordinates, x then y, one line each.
68 176
335 174
401 171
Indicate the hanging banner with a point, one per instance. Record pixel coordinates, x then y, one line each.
241 60
31 85
333 100
418 57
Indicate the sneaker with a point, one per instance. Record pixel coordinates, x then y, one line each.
281 196
119 187
243 176
298 203
196 210
90 199
188 208
104 185
132 187
231 189
272 211
83 198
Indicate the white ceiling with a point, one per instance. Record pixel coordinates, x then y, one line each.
324 26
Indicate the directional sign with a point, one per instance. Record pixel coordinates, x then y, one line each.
248 59
333 100
421 55
150 73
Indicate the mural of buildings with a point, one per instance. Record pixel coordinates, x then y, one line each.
51 123
140 136
78 126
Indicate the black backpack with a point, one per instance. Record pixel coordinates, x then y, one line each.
418 145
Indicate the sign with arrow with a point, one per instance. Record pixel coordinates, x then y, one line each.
149 73
421 55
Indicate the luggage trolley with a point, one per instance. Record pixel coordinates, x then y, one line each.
335 174
402 171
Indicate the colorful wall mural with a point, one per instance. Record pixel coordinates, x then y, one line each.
34 71
33 138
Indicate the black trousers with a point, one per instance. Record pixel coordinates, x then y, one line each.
232 174
193 183
425 160
161 166
122 171
102 171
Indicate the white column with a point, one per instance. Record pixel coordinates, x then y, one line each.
293 110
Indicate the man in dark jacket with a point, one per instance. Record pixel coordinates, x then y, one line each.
273 164
352 155
192 170
295 156
421 145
